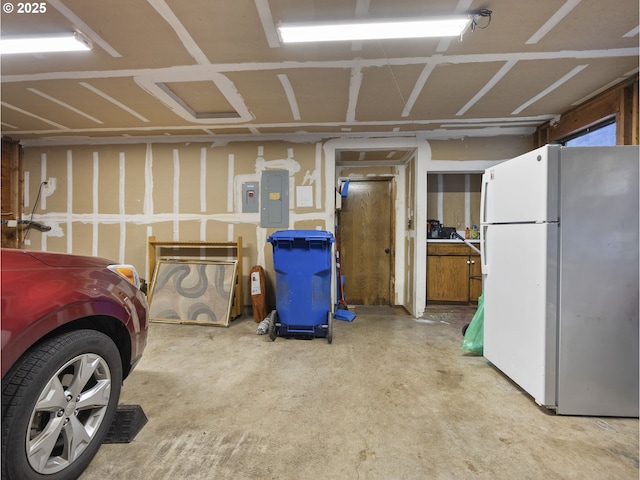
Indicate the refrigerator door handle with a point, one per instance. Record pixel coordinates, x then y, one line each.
483 225
483 198
484 266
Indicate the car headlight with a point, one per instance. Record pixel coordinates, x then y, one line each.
127 271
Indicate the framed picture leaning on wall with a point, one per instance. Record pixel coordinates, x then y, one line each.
192 291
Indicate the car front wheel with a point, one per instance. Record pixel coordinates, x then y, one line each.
58 403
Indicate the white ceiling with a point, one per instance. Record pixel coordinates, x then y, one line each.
215 70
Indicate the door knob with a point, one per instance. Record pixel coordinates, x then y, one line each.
386 250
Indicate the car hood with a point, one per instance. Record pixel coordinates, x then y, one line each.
12 259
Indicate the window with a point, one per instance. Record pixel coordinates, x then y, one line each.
602 135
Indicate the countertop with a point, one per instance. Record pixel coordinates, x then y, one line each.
444 240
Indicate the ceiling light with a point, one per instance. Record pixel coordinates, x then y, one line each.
68 43
374 30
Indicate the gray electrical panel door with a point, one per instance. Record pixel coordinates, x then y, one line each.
274 199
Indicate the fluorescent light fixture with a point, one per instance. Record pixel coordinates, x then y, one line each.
67 43
374 30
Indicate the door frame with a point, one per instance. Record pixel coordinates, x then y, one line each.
412 278
410 273
392 223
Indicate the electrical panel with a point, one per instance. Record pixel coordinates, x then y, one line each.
250 202
274 199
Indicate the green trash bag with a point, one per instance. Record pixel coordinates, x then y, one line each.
474 336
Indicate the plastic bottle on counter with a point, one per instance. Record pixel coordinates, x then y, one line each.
467 233
474 231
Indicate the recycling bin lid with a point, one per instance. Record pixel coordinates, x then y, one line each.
308 235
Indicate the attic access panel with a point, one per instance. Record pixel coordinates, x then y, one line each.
201 99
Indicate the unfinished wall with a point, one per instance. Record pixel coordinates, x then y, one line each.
107 200
454 199
480 148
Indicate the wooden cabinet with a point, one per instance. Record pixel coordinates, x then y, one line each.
453 273
475 277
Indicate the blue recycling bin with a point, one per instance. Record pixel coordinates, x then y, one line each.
302 260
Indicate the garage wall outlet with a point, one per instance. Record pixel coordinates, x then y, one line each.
49 186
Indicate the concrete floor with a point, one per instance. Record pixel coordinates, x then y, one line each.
391 398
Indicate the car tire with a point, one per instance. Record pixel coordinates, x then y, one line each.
58 402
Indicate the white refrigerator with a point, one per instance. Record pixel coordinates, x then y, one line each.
560 268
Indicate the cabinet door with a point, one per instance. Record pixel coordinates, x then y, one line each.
447 278
475 278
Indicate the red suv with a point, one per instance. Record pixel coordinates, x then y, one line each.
73 328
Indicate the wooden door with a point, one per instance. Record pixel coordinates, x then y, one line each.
365 237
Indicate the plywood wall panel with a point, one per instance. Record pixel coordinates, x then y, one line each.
163 176
454 199
134 181
190 230
135 251
163 230
310 225
480 148
475 188
83 238
108 241
107 177
432 197
53 244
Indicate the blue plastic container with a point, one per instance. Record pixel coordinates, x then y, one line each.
302 261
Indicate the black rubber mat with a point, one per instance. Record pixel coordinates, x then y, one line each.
128 421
